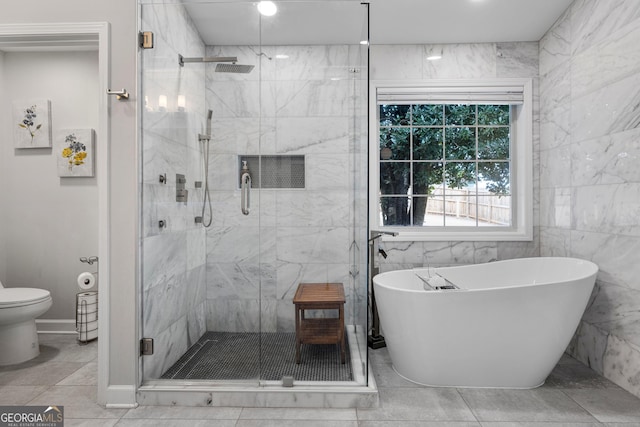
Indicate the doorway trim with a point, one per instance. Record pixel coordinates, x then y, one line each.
83 36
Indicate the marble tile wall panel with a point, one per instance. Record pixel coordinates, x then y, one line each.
517 59
611 159
555 167
312 135
174 257
603 182
555 46
393 62
612 209
607 62
606 111
461 61
594 21
555 207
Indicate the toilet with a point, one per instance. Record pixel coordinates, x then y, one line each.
19 308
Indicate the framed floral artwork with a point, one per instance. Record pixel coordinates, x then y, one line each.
74 151
32 123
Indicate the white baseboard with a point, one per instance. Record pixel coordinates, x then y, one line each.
56 326
121 397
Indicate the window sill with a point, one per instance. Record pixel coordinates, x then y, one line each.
453 235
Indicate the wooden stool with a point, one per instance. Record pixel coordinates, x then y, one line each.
319 296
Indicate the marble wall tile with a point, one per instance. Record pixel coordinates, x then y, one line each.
510 250
392 62
555 90
555 207
555 167
173 342
240 98
615 255
243 135
555 46
517 59
589 345
305 135
611 159
460 61
312 62
594 21
622 364
163 258
615 309
240 280
327 171
321 98
250 244
312 208
313 244
233 315
607 62
611 208
555 242
609 110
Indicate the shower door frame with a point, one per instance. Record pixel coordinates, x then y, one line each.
152 384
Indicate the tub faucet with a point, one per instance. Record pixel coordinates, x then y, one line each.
374 339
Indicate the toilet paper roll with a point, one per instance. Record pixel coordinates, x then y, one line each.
86 280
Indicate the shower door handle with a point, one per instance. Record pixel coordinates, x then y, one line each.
245 202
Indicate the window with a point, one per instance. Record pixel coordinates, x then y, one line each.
452 160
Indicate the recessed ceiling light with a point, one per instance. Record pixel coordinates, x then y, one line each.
434 57
267 8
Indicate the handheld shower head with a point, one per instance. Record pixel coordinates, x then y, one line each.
209 115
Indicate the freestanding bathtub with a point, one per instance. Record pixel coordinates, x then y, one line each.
506 326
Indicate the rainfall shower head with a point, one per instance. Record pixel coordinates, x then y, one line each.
234 68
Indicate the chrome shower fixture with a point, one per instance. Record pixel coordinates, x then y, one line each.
222 66
234 68
182 60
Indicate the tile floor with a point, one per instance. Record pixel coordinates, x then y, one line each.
65 374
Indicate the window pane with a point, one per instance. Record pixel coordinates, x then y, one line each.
394 178
427 144
493 114
494 210
435 210
395 210
460 175
493 143
394 115
460 209
460 143
395 143
428 115
427 177
494 177
460 114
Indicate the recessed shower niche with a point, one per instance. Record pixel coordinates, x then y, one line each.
291 113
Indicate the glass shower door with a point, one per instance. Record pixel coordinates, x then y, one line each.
281 100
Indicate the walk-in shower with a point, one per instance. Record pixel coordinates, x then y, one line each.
218 301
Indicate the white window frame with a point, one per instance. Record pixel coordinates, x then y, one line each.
521 160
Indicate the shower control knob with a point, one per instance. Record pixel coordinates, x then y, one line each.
162 223
163 178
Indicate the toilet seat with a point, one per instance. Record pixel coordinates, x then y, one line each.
17 297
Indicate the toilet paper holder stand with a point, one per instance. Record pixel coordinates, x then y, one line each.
83 311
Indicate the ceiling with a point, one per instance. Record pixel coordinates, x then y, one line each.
391 21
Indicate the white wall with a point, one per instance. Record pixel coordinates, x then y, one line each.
49 221
121 14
